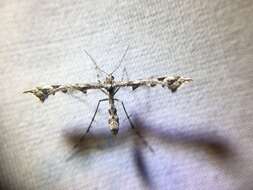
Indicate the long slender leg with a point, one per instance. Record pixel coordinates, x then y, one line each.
116 90
88 129
130 121
102 90
134 128
124 73
122 78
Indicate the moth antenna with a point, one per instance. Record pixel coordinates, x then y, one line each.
122 58
94 62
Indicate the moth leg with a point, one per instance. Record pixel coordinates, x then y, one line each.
122 78
98 75
124 73
88 129
116 91
102 90
134 128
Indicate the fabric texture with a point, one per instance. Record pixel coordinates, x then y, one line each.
201 135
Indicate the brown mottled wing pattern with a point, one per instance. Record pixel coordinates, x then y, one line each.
171 82
44 91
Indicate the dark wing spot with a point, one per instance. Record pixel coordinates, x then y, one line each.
135 86
160 78
42 94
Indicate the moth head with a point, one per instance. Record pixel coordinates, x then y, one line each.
109 78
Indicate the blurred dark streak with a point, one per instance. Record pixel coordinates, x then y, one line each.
215 146
5 186
99 142
141 166
6 181
95 140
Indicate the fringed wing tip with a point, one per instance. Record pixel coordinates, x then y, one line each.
27 91
178 83
187 79
42 96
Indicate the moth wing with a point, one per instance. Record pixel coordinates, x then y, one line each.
171 82
42 92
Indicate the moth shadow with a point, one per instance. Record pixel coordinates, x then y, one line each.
215 147
105 141
95 141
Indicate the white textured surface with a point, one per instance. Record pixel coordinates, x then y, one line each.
42 42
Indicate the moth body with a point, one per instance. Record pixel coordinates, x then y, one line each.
113 120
